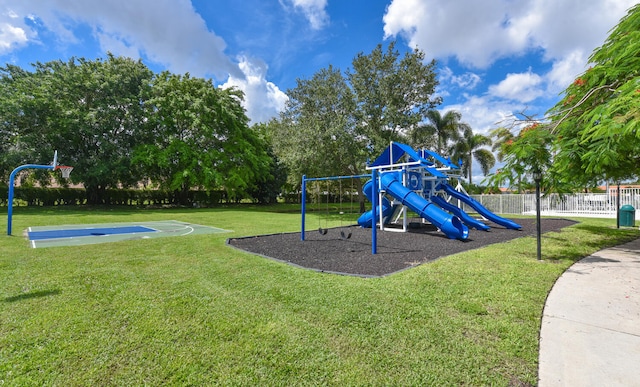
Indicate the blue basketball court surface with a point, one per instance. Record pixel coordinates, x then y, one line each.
72 235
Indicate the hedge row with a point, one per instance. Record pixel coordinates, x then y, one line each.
32 196
36 196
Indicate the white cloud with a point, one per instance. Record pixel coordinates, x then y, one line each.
13 31
449 81
484 113
11 37
313 10
117 45
564 71
523 87
168 32
472 31
563 27
263 99
478 33
467 81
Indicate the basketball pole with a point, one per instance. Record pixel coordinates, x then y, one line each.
12 179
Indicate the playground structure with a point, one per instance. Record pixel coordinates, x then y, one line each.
404 179
66 171
413 181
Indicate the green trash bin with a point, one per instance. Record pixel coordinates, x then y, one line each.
627 216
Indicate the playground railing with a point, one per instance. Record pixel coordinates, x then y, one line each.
599 205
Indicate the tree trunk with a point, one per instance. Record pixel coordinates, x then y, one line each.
95 194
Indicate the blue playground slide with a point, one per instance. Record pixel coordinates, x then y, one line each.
464 217
478 207
450 225
366 219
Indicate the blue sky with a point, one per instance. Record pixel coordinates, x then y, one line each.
495 57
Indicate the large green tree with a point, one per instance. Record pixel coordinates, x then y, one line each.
527 154
270 185
316 133
118 125
90 111
393 94
24 110
333 123
597 123
198 137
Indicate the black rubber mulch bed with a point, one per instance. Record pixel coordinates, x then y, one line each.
396 250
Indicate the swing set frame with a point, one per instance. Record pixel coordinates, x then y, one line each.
322 231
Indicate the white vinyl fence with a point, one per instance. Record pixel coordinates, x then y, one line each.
594 205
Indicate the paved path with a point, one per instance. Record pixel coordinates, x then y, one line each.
590 334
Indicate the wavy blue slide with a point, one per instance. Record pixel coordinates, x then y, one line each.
450 225
464 217
478 207
366 219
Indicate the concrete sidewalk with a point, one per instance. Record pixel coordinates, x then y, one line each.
590 334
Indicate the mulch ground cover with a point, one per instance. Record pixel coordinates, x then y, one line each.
396 251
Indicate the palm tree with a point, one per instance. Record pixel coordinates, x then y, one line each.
502 137
470 146
438 130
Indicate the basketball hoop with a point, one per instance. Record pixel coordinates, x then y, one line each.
66 171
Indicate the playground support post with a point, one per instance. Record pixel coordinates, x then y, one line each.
11 181
374 204
304 204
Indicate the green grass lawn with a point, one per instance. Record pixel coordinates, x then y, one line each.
193 311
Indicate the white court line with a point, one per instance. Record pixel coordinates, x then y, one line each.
179 229
192 230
